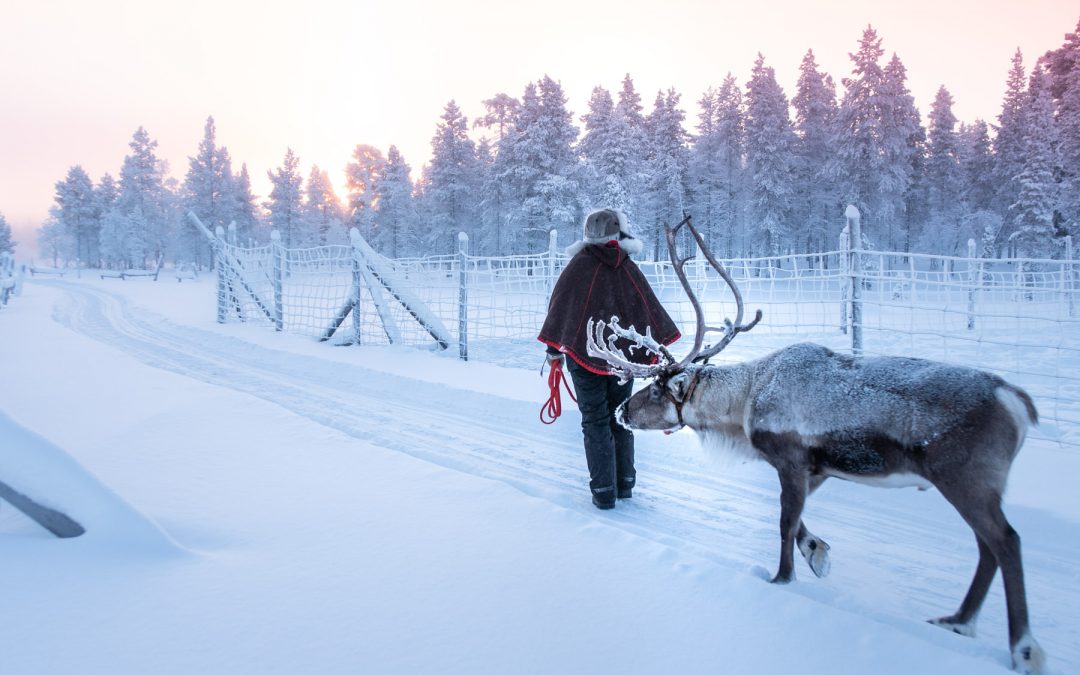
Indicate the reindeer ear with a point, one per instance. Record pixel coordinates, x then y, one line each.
677 385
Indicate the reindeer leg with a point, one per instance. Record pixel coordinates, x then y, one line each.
963 621
983 513
813 548
794 485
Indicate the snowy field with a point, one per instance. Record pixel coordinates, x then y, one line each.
258 502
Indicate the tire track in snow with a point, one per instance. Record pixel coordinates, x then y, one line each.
923 550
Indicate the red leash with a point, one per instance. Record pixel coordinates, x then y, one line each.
553 408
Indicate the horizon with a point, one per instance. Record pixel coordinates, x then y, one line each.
234 70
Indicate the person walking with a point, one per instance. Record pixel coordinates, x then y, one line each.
599 282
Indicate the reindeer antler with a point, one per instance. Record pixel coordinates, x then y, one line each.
730 329
604 348
598 346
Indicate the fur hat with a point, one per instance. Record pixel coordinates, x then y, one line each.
604 225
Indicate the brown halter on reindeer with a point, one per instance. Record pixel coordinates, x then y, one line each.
813 414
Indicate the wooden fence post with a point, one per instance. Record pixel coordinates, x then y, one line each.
222 270
463 296
277 255
354 235
975 279
855 230
553 242
845 255
1068 277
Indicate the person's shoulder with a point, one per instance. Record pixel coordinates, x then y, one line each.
573 250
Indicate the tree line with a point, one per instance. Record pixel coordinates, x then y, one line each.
762 174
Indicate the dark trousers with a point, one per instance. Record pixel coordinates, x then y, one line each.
609 446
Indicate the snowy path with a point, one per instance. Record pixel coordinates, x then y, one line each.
898 556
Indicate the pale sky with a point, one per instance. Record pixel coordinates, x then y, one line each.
321 76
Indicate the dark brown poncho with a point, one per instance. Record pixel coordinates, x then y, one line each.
599 282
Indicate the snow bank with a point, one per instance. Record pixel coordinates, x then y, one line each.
46 474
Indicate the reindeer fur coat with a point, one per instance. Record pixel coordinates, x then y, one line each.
599 282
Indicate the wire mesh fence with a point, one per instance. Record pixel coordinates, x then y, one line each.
1015 317
10 277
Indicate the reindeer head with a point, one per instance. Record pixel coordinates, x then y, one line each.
659 406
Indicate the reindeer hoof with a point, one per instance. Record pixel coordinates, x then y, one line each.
950 623
782 580
1028 657
816 552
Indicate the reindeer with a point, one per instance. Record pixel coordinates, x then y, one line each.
813 414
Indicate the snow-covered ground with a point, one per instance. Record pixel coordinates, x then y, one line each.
258 502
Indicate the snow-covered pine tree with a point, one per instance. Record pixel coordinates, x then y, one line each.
7 241
979 220
146 201
208 192
605 150
903 138
360 175
770 160
629 108
667 162
451 183
285 203
537 162
515 170
1064 68
976 166
943 180
1009 146
597 119
815 202
52 239
488 225
245 209
395 209
629 104
76 215
106 196
858 162
502 110
557 193
122 243
1033 211
500 119
705 187
731 131
323 214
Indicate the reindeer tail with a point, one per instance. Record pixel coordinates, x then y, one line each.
1019 404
